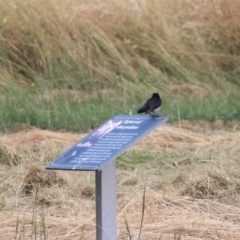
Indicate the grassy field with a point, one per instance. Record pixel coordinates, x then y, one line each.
67 66
64 68
190 176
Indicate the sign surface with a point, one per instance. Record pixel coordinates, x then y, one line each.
106 142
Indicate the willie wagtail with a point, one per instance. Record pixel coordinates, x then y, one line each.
152 105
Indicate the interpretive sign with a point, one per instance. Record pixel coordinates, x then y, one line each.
98 152
106 142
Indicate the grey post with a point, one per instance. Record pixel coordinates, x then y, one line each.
106 202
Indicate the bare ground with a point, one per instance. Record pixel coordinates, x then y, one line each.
191 173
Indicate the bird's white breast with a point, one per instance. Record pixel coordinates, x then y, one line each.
157 109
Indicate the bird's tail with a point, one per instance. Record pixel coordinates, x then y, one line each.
142 109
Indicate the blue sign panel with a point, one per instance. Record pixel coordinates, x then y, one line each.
106 142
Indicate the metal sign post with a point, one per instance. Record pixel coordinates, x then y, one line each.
98 152
106 202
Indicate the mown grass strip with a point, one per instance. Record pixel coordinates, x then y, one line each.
81 116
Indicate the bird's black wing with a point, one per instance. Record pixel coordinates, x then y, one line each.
144 108
153 104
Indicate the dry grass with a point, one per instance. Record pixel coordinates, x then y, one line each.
7 157
65 44
192 186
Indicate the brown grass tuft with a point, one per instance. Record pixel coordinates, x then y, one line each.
87 192
36 136
214 186
37 178
8 158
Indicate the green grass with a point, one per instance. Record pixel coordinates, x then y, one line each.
72 115
210 108
163 159
24 109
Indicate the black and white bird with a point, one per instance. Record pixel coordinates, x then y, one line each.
152 105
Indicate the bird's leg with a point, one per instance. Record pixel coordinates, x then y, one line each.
153 114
